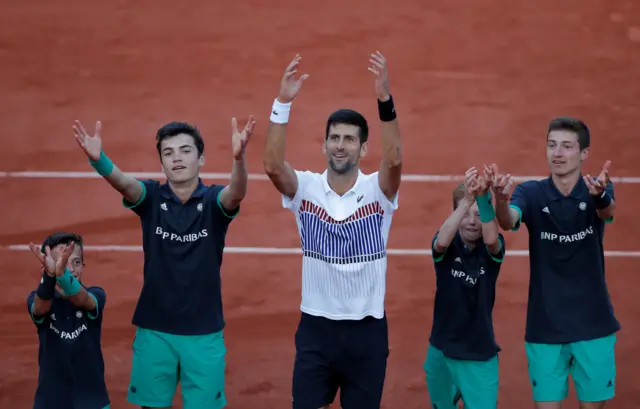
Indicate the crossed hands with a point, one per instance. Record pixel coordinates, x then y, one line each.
501 184
54 267
477 184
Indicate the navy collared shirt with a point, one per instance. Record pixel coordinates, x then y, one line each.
71 374
183 246
568 295
465 294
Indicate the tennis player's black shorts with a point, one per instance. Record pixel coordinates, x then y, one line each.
348 355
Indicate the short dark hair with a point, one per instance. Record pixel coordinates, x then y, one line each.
458 194
349 117
176 128
574 125
61 238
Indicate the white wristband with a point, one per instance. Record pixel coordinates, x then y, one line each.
280 112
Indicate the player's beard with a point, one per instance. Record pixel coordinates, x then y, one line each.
344 167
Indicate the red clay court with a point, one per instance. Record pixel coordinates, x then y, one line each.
474 82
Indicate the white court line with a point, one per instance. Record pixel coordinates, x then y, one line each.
296 250
257 176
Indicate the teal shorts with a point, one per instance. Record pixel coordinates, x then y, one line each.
451 380
160 360
592 366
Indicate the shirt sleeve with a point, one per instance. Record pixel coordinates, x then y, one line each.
143 205
519 203
100 297
437 256
305 178
499 257
388 205
228 214
31 299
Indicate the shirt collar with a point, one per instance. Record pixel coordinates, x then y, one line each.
577 192
327 188
167 193
463 247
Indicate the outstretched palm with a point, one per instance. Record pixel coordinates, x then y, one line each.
63 258
289 85
92 145
501 184
476 185
45 259
53 267
379 68
239 140
597 186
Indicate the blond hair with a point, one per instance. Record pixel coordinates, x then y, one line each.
459 193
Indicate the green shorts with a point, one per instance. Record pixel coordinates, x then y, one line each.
160 360
450 380
592 365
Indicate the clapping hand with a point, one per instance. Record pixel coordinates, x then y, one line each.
597 186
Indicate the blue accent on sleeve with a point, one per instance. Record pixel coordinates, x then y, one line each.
519 221
437 257
129 205
36 319
95 312
499 257
231 216
31 304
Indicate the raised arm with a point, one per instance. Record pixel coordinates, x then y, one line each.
76 293
71 287
448 230
481 189
129 187
280 172
508 217
391 166
42 299
56 267
601 190
234 193
46 290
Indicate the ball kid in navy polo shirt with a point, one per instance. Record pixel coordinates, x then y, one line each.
179 316
68 318
462 358
571 327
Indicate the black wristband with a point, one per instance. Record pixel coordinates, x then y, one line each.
386 110
47 288
603 201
